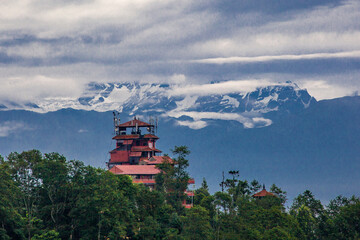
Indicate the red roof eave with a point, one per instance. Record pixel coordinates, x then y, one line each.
134 123
263 193
130 136
135 170
144 149
151 136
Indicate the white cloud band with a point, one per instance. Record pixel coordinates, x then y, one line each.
349 54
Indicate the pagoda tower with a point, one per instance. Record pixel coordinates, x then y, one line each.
133 147
136 154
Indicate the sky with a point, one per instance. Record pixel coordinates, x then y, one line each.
55 48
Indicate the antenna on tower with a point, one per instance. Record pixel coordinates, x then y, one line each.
118 118
151 128
116 122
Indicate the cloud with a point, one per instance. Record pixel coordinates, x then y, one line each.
10 127
199 118
77 42
325 29
321 89
193 124
352 54
28 89
225 87
83 130
178 79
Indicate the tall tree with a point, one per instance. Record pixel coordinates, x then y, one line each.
174 178
307 199
11 222
308 212
196 224
53 172
279 192
22 169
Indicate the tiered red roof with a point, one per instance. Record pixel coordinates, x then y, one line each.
135 123
130 136
157 160
144 149
135 136
263 193
151 136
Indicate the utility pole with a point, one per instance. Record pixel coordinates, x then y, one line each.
222 182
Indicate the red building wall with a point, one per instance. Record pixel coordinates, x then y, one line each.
120 156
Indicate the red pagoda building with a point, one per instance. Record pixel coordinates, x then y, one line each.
136 154
263 193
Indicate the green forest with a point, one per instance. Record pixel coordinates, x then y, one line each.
46 196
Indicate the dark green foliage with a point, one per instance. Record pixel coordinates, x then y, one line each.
11 222
48 197
48 235
255 186
174 178
307 199
197 224
279 193
308 211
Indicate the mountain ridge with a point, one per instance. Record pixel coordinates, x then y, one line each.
172 101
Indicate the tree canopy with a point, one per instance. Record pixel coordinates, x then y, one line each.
46 196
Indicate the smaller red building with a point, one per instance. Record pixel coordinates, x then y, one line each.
263 193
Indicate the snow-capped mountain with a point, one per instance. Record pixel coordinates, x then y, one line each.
188 108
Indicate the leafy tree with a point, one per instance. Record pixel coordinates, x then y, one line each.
148 202
254 186
201 193
307 199
196 224
22 170
306 221
223 200
269 202
53 172
149 229
204 199
11 222
48 235
101 209
279 193
335 205
174 178
347 221
204 185
48 197
277 233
